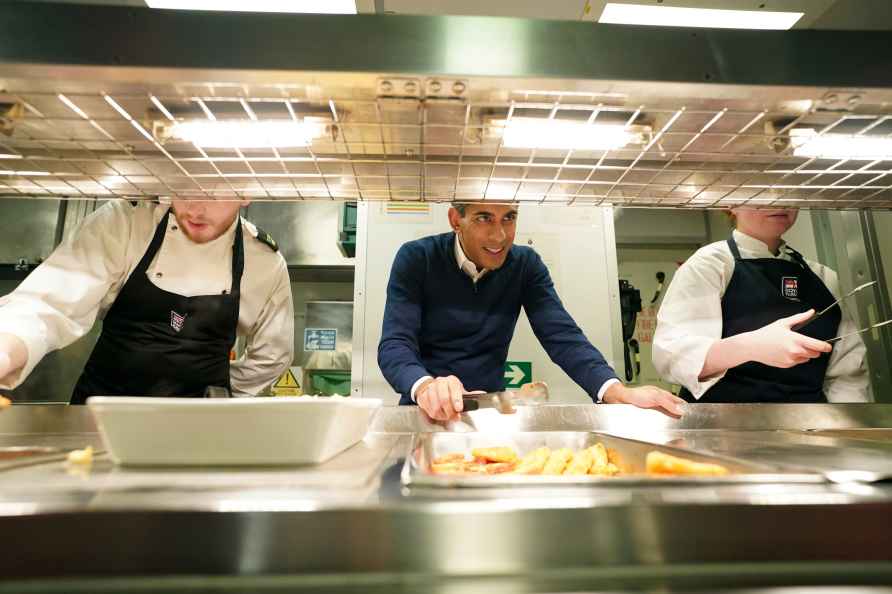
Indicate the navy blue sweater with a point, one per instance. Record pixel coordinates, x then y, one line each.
438 323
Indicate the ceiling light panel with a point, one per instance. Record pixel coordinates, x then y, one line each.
677 16
292 6
808 143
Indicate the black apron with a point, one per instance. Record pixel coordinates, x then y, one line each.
155 343
761 291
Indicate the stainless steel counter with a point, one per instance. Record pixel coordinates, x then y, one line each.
352 515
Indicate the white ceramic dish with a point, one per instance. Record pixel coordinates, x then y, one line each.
237 431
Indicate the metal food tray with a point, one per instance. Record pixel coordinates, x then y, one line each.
630 457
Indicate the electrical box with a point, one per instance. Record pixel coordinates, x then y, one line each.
347 229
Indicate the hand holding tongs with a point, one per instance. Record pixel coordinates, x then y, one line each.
801 325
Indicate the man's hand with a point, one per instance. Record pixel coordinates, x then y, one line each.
778 345
645 397
13 354
441 397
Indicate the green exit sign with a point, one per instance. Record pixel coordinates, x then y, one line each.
518 373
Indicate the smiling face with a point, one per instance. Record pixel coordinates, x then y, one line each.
765 224
486 232
206 220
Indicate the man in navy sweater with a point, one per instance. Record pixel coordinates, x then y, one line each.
452 305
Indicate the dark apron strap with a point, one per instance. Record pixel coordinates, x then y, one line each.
238 259
154 245
733 246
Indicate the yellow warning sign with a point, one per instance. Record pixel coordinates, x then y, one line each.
287 385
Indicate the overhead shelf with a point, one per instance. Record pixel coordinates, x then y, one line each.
717 122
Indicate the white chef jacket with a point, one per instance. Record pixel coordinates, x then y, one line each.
690 321
61 299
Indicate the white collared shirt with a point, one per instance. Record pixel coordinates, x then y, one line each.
465 264
690 321
61 299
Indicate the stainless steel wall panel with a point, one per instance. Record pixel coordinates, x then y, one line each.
470 46
307 232
27 229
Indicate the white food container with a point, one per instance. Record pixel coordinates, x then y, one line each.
236 431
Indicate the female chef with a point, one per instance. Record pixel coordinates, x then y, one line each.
736 323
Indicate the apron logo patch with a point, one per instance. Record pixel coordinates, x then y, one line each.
176 320
790 287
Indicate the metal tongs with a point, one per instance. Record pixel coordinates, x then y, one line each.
506 401
800 326
871 327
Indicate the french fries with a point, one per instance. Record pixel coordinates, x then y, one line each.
499 454
599 455
663 464
454 457
558 461
534 462
500 467
581 463
602 466
83 457
595 460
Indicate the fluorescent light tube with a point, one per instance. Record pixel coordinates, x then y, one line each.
297 6
9 156
530 133
246 134
807 143
677 16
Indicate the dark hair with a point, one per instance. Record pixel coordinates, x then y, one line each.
461 207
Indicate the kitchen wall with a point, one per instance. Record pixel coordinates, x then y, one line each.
639 266
304 292
883 224
27 229
306 232
650 241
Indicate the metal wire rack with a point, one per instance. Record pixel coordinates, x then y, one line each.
96 145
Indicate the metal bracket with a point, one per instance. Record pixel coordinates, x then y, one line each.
399 87
414 88
10 113
448 88
777 143
839 100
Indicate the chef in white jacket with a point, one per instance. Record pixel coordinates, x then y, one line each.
728 329
174 284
